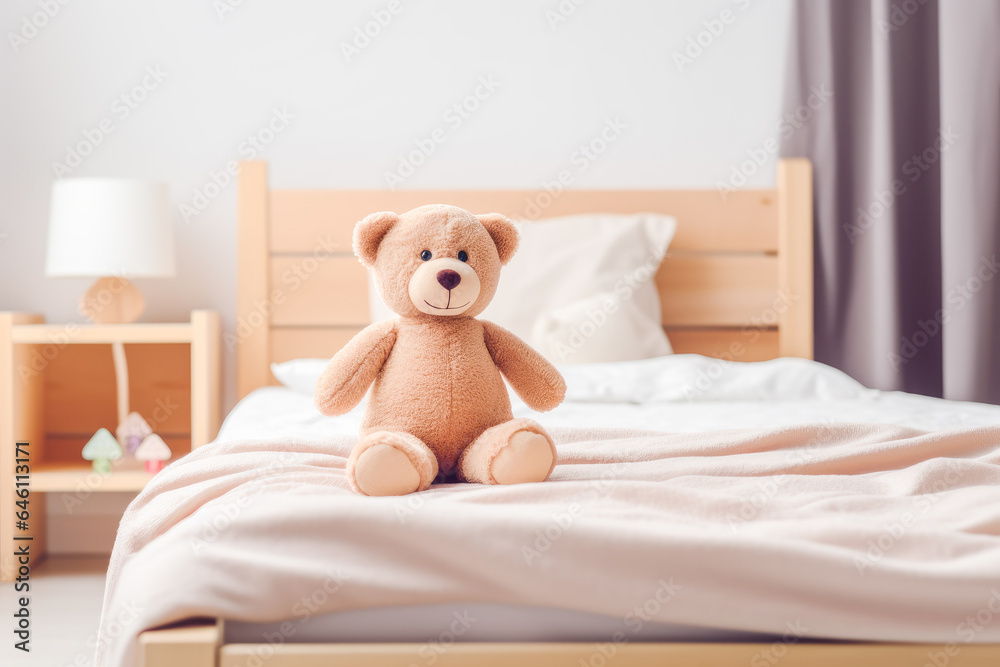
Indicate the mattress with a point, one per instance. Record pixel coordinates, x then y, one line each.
682 393
437 625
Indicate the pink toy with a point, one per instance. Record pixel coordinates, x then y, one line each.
154 452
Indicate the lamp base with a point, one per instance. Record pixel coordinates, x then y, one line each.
112 300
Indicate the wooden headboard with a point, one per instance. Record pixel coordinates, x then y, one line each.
737 283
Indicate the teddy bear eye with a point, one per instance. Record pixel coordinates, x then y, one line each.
425 255
463 256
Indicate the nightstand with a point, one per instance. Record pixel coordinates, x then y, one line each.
58 386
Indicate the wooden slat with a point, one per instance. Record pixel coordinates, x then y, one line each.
60 334
206 373
80 477
621 654
304 221
333 291
795 276
717 290
253 304
192 644
319 342
695 290
736 344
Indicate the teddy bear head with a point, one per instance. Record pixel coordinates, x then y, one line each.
436 260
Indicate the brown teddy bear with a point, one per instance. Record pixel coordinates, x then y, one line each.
439 406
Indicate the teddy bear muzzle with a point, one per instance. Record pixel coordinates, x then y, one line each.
444 286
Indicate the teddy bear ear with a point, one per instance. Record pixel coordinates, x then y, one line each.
368 234
503 232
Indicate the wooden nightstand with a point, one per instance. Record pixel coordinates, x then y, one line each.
57 387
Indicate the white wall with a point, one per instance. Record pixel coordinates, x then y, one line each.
223 73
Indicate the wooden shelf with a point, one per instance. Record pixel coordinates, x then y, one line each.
62 334
59 383
56 477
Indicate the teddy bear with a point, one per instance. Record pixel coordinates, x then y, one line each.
438 406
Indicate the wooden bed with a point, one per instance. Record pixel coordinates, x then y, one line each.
737 284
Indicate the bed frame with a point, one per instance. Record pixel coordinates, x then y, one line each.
737 284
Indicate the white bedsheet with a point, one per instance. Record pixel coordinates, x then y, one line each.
680 393
274 483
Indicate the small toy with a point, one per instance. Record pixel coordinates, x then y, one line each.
154 452
102 449
132 431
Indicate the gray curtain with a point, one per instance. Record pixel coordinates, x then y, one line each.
906 150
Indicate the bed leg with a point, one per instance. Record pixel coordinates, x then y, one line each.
192 643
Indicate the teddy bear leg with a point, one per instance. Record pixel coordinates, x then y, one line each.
514 452
390 463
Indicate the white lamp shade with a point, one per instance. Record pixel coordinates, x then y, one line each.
110 227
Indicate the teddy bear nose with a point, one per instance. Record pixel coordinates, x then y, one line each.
449 279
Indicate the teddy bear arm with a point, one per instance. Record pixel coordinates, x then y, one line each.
533 378
344 381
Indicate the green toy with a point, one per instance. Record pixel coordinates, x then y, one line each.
102 449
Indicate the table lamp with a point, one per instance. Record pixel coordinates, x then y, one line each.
113 229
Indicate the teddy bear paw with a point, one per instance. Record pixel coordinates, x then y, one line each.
527 457
390 463
383 470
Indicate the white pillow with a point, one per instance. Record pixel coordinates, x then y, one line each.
566 269
299 374
601 328
693 377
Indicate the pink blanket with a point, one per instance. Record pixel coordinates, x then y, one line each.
855 532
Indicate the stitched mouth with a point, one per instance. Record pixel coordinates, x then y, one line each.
446 308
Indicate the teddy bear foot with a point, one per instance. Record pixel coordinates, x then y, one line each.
387 463
527 457
515 452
